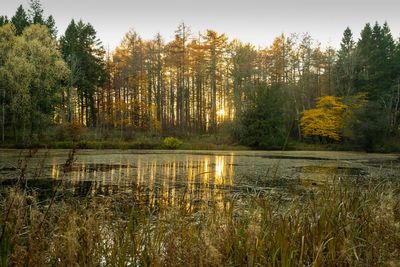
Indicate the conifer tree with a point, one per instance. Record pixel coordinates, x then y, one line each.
36 12
51 25
20 20
3 20
346 65
81 46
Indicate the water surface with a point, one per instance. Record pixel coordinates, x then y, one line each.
200 176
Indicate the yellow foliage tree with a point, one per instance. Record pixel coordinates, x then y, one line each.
326 120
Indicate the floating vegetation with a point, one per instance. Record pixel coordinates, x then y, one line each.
196 210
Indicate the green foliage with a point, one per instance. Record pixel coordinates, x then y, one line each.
172 143
20 20
376 49
36 12
346 65
51 25
3 20
264 124
370 67
369 126
80 46
32 72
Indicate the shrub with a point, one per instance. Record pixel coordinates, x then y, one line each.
70 131
172 143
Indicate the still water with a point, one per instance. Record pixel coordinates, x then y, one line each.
154 176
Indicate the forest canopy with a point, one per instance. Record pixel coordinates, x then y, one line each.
197 84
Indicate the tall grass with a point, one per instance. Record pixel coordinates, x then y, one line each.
343 225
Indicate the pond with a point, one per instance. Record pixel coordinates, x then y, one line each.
152 176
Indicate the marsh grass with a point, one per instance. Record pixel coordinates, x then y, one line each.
345 223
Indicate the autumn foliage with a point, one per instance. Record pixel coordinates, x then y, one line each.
326 120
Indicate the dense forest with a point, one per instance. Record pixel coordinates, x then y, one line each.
198 83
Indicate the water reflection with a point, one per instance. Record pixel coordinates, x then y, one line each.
171 180
321 175
178 178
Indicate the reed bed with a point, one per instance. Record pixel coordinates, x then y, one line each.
346 223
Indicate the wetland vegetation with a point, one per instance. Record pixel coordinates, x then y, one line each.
121 208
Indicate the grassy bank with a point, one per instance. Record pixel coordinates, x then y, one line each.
156 144
343 225
137 141
114 139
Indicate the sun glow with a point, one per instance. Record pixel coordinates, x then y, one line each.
221 112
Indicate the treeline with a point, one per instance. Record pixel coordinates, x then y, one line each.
197 83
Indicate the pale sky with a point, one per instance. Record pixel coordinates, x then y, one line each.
255 21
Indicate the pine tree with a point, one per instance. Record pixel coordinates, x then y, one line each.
376 50
3 20
81 45
387 50
347 44
365 46
36 12
346 65
51 25
20 20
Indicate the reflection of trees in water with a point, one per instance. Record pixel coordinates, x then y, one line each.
152 181
317 175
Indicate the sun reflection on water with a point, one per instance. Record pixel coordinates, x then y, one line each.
171 180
